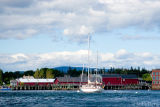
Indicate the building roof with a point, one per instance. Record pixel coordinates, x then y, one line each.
78 79
72 79
31 79
129 76
35 80
111 75
155 70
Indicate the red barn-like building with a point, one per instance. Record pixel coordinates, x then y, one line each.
31 81
117 79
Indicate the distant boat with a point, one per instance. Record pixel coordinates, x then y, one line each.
5 89
90 87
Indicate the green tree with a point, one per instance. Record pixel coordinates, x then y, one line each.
57 73
74 72
147 77
1 77
36 74
42 73
7 76
29 73
49 73
16 74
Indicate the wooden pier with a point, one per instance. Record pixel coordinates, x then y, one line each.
76 87
127 87
47 87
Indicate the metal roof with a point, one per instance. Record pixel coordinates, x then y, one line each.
111 75
78 79
72 79
35 80
129 76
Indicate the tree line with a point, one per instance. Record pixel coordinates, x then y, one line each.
141 73
5 77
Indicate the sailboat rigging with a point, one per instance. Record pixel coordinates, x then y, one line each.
90 87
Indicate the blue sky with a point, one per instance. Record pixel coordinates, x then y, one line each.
38 33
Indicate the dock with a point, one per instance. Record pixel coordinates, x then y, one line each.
47 87
127 87
76 87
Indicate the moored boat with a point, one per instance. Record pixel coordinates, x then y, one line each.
5 88
90 87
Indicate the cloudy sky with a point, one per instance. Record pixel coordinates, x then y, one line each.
50 33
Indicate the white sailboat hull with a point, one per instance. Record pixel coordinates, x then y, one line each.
90 89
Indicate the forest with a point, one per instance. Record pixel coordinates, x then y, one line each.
5 77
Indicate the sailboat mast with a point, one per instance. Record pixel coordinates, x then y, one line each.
97 67
88 56
82 74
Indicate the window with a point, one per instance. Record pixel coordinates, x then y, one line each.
153 73
156 73
157 82
153 82
156 77
153 77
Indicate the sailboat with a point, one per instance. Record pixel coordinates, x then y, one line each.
90 87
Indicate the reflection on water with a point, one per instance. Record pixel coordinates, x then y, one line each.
114 98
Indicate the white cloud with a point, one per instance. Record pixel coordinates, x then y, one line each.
107 57
22 61
84 30
77 18
121 52
18 34
81 32
67 32
140 37
19 55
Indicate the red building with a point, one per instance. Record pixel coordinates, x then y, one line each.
156 79
117 79
31 81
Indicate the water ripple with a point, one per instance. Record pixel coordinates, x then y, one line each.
118 98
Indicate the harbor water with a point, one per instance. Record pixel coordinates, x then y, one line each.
108 98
